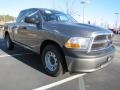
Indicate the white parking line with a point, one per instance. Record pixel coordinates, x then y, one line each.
7 55
59 82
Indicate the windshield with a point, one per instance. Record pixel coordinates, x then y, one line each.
57 16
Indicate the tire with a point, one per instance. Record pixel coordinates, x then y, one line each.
51 61
9 43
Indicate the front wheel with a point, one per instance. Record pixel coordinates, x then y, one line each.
51 60
9 43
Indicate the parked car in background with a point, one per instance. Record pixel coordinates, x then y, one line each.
63 43
118 32
1 26
113 30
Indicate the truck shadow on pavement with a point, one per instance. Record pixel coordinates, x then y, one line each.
25 56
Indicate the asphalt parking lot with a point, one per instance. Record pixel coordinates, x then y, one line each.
20 70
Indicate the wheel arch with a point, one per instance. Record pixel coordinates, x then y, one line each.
49 42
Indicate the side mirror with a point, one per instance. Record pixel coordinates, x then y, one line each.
32 20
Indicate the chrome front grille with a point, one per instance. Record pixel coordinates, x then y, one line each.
103 37
101 42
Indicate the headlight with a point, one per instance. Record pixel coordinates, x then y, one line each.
78 43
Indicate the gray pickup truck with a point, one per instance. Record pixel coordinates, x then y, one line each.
63 43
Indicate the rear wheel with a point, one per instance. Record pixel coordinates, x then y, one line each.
9 43
51 60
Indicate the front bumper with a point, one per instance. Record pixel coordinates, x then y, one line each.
85 64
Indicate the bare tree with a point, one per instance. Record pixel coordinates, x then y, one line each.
70 7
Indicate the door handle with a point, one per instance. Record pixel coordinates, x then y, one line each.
23 27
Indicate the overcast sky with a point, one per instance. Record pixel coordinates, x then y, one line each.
95 10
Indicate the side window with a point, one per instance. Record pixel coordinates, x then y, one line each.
34 13
22 16
62 17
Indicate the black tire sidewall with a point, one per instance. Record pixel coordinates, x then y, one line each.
59 69
11 45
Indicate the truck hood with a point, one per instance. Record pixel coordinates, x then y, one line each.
77 29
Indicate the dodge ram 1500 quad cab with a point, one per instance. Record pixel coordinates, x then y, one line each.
62 42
